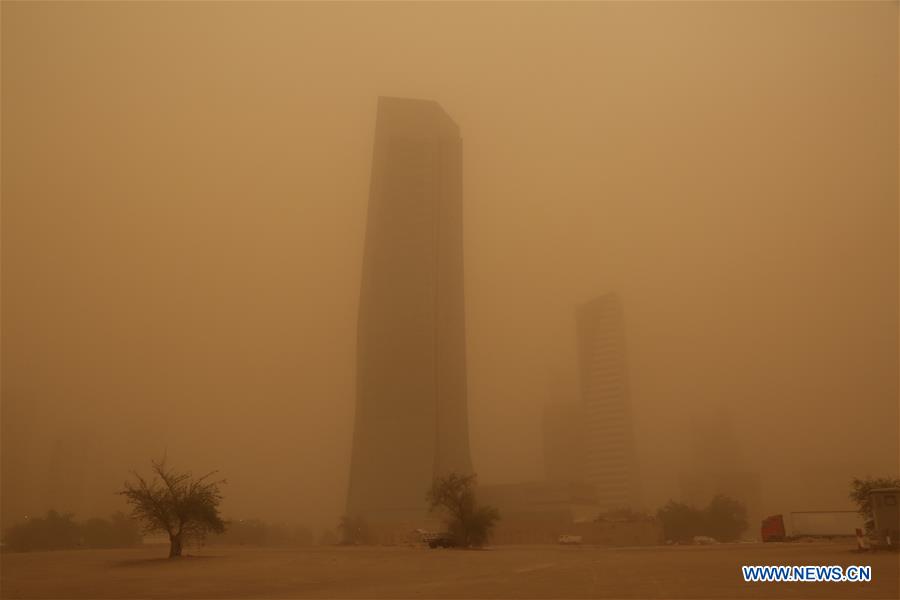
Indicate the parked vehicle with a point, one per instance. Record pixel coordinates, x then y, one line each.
437 539
569 539
705 540
772 529
810 525
824 523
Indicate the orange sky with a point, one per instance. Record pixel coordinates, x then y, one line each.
184 198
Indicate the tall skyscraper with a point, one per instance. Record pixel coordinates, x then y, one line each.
411 414
611 458
564 442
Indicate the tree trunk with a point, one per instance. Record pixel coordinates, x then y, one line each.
174 546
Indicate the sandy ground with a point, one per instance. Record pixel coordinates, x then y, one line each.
405 572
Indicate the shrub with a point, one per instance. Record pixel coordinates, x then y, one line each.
724 519
59 531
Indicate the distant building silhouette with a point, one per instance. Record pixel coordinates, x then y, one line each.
564 442
411 410
538 512
610 455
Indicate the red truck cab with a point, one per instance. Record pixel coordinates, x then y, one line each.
772 529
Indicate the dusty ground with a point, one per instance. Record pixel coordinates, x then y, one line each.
394 572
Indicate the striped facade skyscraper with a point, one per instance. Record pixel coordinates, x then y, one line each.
610 453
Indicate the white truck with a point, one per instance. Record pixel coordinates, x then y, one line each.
824 523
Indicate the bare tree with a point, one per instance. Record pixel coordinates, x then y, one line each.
177 504
468 523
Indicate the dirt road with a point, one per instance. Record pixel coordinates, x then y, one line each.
405 572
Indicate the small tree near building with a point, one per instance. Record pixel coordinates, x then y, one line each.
184 507
468 524
725 519
680 521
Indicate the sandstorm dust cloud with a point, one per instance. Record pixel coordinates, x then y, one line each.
184 210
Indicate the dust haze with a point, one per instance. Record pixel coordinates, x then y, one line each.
185 190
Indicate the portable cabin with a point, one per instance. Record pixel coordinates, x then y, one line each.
886 512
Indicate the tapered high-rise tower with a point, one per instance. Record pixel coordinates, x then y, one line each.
411 414
611 458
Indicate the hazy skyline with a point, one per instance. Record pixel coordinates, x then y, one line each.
184 206
411 420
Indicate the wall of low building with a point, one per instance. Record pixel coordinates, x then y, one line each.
546 529
620 533
538 528
530 529
400 532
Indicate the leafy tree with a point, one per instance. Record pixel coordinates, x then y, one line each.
680 522
176 503
55 531
468 524
725 519
117 532
859 493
